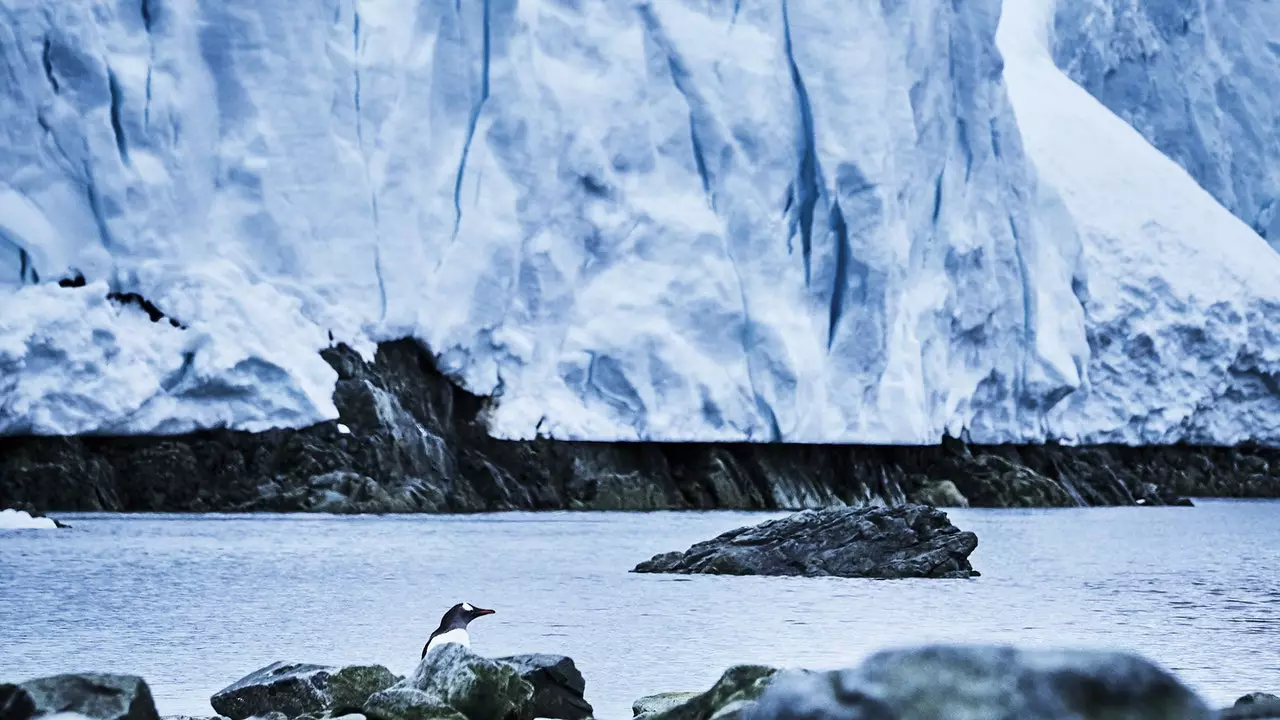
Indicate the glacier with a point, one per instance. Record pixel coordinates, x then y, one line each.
696 220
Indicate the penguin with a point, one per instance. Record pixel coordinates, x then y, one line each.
453 626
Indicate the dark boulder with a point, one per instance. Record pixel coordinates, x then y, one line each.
558 687
452 682
15 703
730 698
958 682
97 696
908 541
296 689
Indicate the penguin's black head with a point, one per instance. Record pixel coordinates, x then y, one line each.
462 613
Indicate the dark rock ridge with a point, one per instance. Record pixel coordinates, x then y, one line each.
418 443
295 689
958 683
907 541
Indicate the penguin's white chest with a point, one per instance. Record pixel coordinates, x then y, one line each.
458 636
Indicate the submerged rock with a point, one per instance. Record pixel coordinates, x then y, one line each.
558 686
295 689
92 695
963 682
910 541
733 694
451 682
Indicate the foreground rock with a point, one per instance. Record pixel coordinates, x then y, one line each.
910 541
96 696
558 687
733 694
453 683
295 689
959 683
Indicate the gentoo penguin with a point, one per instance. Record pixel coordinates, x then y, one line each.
453 626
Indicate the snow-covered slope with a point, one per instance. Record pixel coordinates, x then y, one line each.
802 220
1199 80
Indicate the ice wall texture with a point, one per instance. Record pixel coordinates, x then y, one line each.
1199 79
801 220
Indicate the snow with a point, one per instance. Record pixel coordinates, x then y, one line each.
22 520
799 220
1216 68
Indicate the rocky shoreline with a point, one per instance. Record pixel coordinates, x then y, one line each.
935 682
410 440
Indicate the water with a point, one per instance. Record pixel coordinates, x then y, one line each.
193 603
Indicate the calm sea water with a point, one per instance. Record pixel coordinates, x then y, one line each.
192 603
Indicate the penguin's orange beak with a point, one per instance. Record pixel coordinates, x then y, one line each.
481 611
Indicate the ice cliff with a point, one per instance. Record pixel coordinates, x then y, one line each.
794 220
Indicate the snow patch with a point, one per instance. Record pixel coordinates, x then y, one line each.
22 520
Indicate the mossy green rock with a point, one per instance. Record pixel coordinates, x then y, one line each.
650 705
735 692
295 689
451 677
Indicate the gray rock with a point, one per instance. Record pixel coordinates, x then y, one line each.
558 687
296 689
650 705
97 696
452 682
1254 706
900 542
733 694
962 683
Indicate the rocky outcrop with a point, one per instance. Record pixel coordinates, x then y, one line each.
409 440
909 541
558 687
733 694
295 689
453 682
91 695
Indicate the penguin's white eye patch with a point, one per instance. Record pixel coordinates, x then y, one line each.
467 607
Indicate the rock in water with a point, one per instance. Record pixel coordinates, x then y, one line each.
730 698
97 696
902 542
452 682
1254 706
557 686
958 683
295 689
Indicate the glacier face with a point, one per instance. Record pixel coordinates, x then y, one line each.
1198 80
797 220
